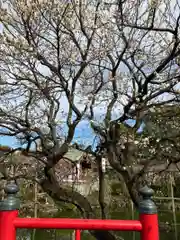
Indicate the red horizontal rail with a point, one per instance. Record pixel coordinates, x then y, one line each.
81 224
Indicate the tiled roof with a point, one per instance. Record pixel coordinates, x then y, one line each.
74 155
4 150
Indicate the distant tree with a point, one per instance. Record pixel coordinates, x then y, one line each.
63 62
162 134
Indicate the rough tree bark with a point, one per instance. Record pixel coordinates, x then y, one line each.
58 193
125 172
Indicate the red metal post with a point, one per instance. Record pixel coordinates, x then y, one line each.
148 216
149 227
7 228
77 234
8 213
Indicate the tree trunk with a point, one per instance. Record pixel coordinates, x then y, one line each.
125 173
58 193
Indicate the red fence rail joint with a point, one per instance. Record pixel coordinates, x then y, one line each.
9 220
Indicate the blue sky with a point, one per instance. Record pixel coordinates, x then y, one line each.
8 141
83 135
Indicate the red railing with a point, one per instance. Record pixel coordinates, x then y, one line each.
147 223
